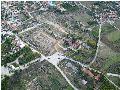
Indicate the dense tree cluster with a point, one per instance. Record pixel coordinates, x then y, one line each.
7 57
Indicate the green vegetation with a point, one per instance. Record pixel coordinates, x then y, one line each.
111 60
95 31
47 78
15 31
74 36
106 85
69 88
7 57
117 23
80 55
6 49
7 46
70 7
117 42
92 43
4 83
55 83
107 28
92 23
25 16
70 53
84 18
27 57
114 36
116 80
115 68
16 83
15 65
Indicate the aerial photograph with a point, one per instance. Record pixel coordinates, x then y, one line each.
60 45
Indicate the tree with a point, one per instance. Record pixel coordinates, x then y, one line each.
4 83
92 43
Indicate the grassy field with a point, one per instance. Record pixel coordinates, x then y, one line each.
110 57
105 51
117 23
107 28
111 60
95 31
106 85
114 36
106 57
84 18
116 80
